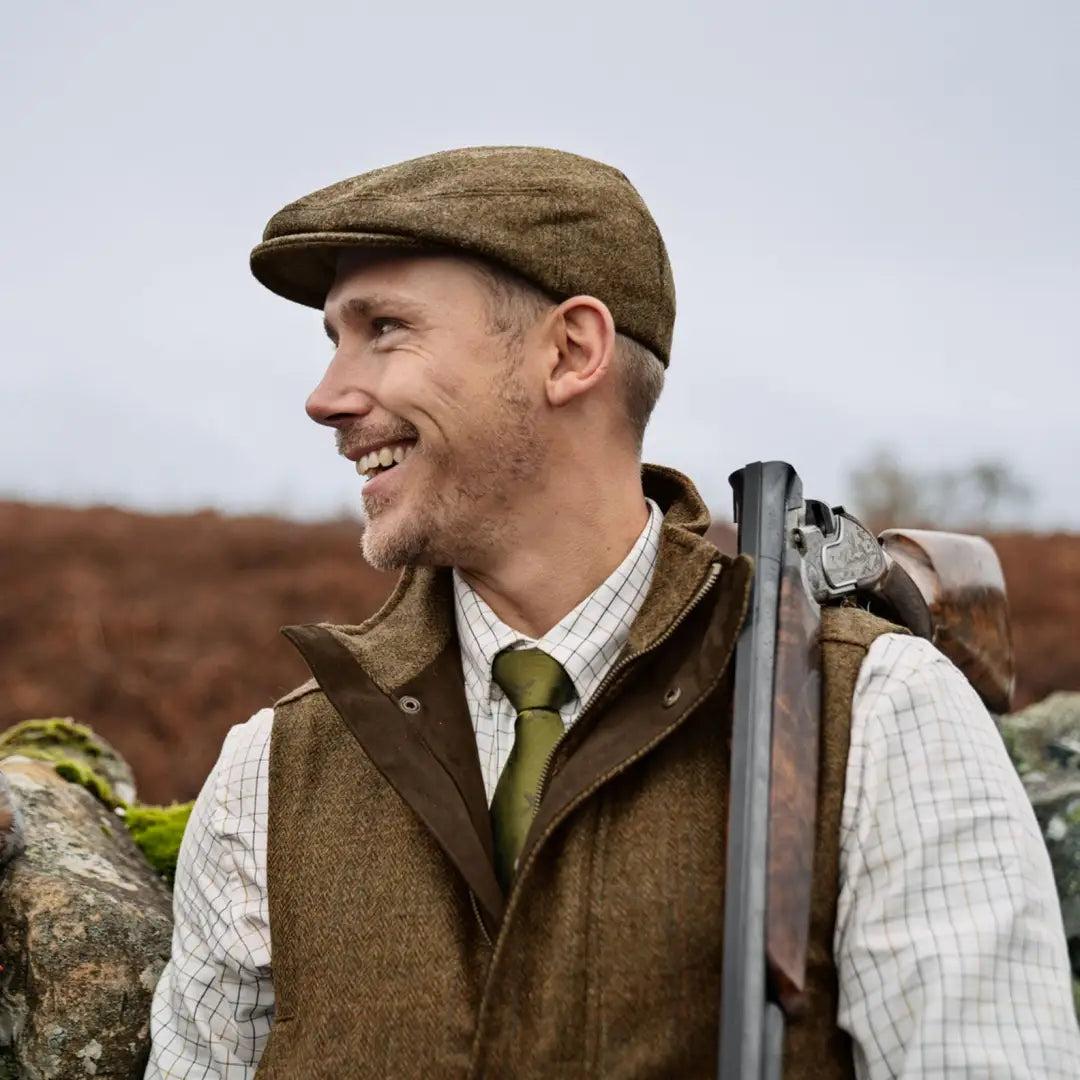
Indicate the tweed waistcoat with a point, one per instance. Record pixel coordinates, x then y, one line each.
395 953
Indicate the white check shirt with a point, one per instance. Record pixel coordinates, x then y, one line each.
949 941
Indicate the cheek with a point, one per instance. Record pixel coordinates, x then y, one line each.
451 395
453 405
448 385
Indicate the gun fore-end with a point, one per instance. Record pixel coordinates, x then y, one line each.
794 787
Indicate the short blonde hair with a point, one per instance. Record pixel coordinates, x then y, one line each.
517 303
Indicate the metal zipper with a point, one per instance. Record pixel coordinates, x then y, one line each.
621 666
483 927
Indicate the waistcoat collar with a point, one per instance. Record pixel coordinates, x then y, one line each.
396 682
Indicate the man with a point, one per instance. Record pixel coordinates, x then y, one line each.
487 839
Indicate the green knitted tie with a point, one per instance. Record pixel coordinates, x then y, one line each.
537 687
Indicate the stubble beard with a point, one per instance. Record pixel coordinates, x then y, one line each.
466 516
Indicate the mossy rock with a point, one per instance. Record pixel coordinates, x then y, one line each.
77 773
85 925
158 830
84 754
83 757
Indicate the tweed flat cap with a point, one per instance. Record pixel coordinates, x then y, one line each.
569 224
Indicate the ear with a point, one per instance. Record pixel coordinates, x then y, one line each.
584 336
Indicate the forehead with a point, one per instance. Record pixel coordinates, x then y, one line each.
430 277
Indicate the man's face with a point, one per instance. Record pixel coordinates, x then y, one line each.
419 377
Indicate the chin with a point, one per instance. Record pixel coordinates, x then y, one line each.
389 547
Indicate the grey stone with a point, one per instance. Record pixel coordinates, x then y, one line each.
85 927
12 826
1052 792
1063 843
1029 733
1057 829
1064 751
1043 740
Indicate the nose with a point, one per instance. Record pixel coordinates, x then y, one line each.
339 399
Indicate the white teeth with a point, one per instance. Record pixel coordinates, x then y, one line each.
382 458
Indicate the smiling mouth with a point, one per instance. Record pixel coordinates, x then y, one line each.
386 457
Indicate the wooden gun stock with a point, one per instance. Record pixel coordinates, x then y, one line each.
945 587
793 789
959 581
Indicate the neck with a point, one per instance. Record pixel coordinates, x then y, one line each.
564 548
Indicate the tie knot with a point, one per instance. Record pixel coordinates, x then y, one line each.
532 679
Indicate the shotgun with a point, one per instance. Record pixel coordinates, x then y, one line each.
776 714
944 587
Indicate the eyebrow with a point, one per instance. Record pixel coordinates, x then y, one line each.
358 309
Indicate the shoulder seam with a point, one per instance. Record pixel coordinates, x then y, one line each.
868 627
301 691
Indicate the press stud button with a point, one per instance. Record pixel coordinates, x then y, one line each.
672 696
409 704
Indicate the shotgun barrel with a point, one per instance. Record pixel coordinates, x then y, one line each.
773 761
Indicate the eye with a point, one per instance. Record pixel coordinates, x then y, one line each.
382 327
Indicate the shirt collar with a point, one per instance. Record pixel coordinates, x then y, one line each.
586 642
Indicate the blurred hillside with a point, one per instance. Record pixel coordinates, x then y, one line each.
161 631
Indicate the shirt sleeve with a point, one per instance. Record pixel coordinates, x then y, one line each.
949 940
214 1003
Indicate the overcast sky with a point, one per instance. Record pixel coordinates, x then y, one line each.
872 210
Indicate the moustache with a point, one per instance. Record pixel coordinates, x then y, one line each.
353 438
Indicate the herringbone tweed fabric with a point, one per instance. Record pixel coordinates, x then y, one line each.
606 960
